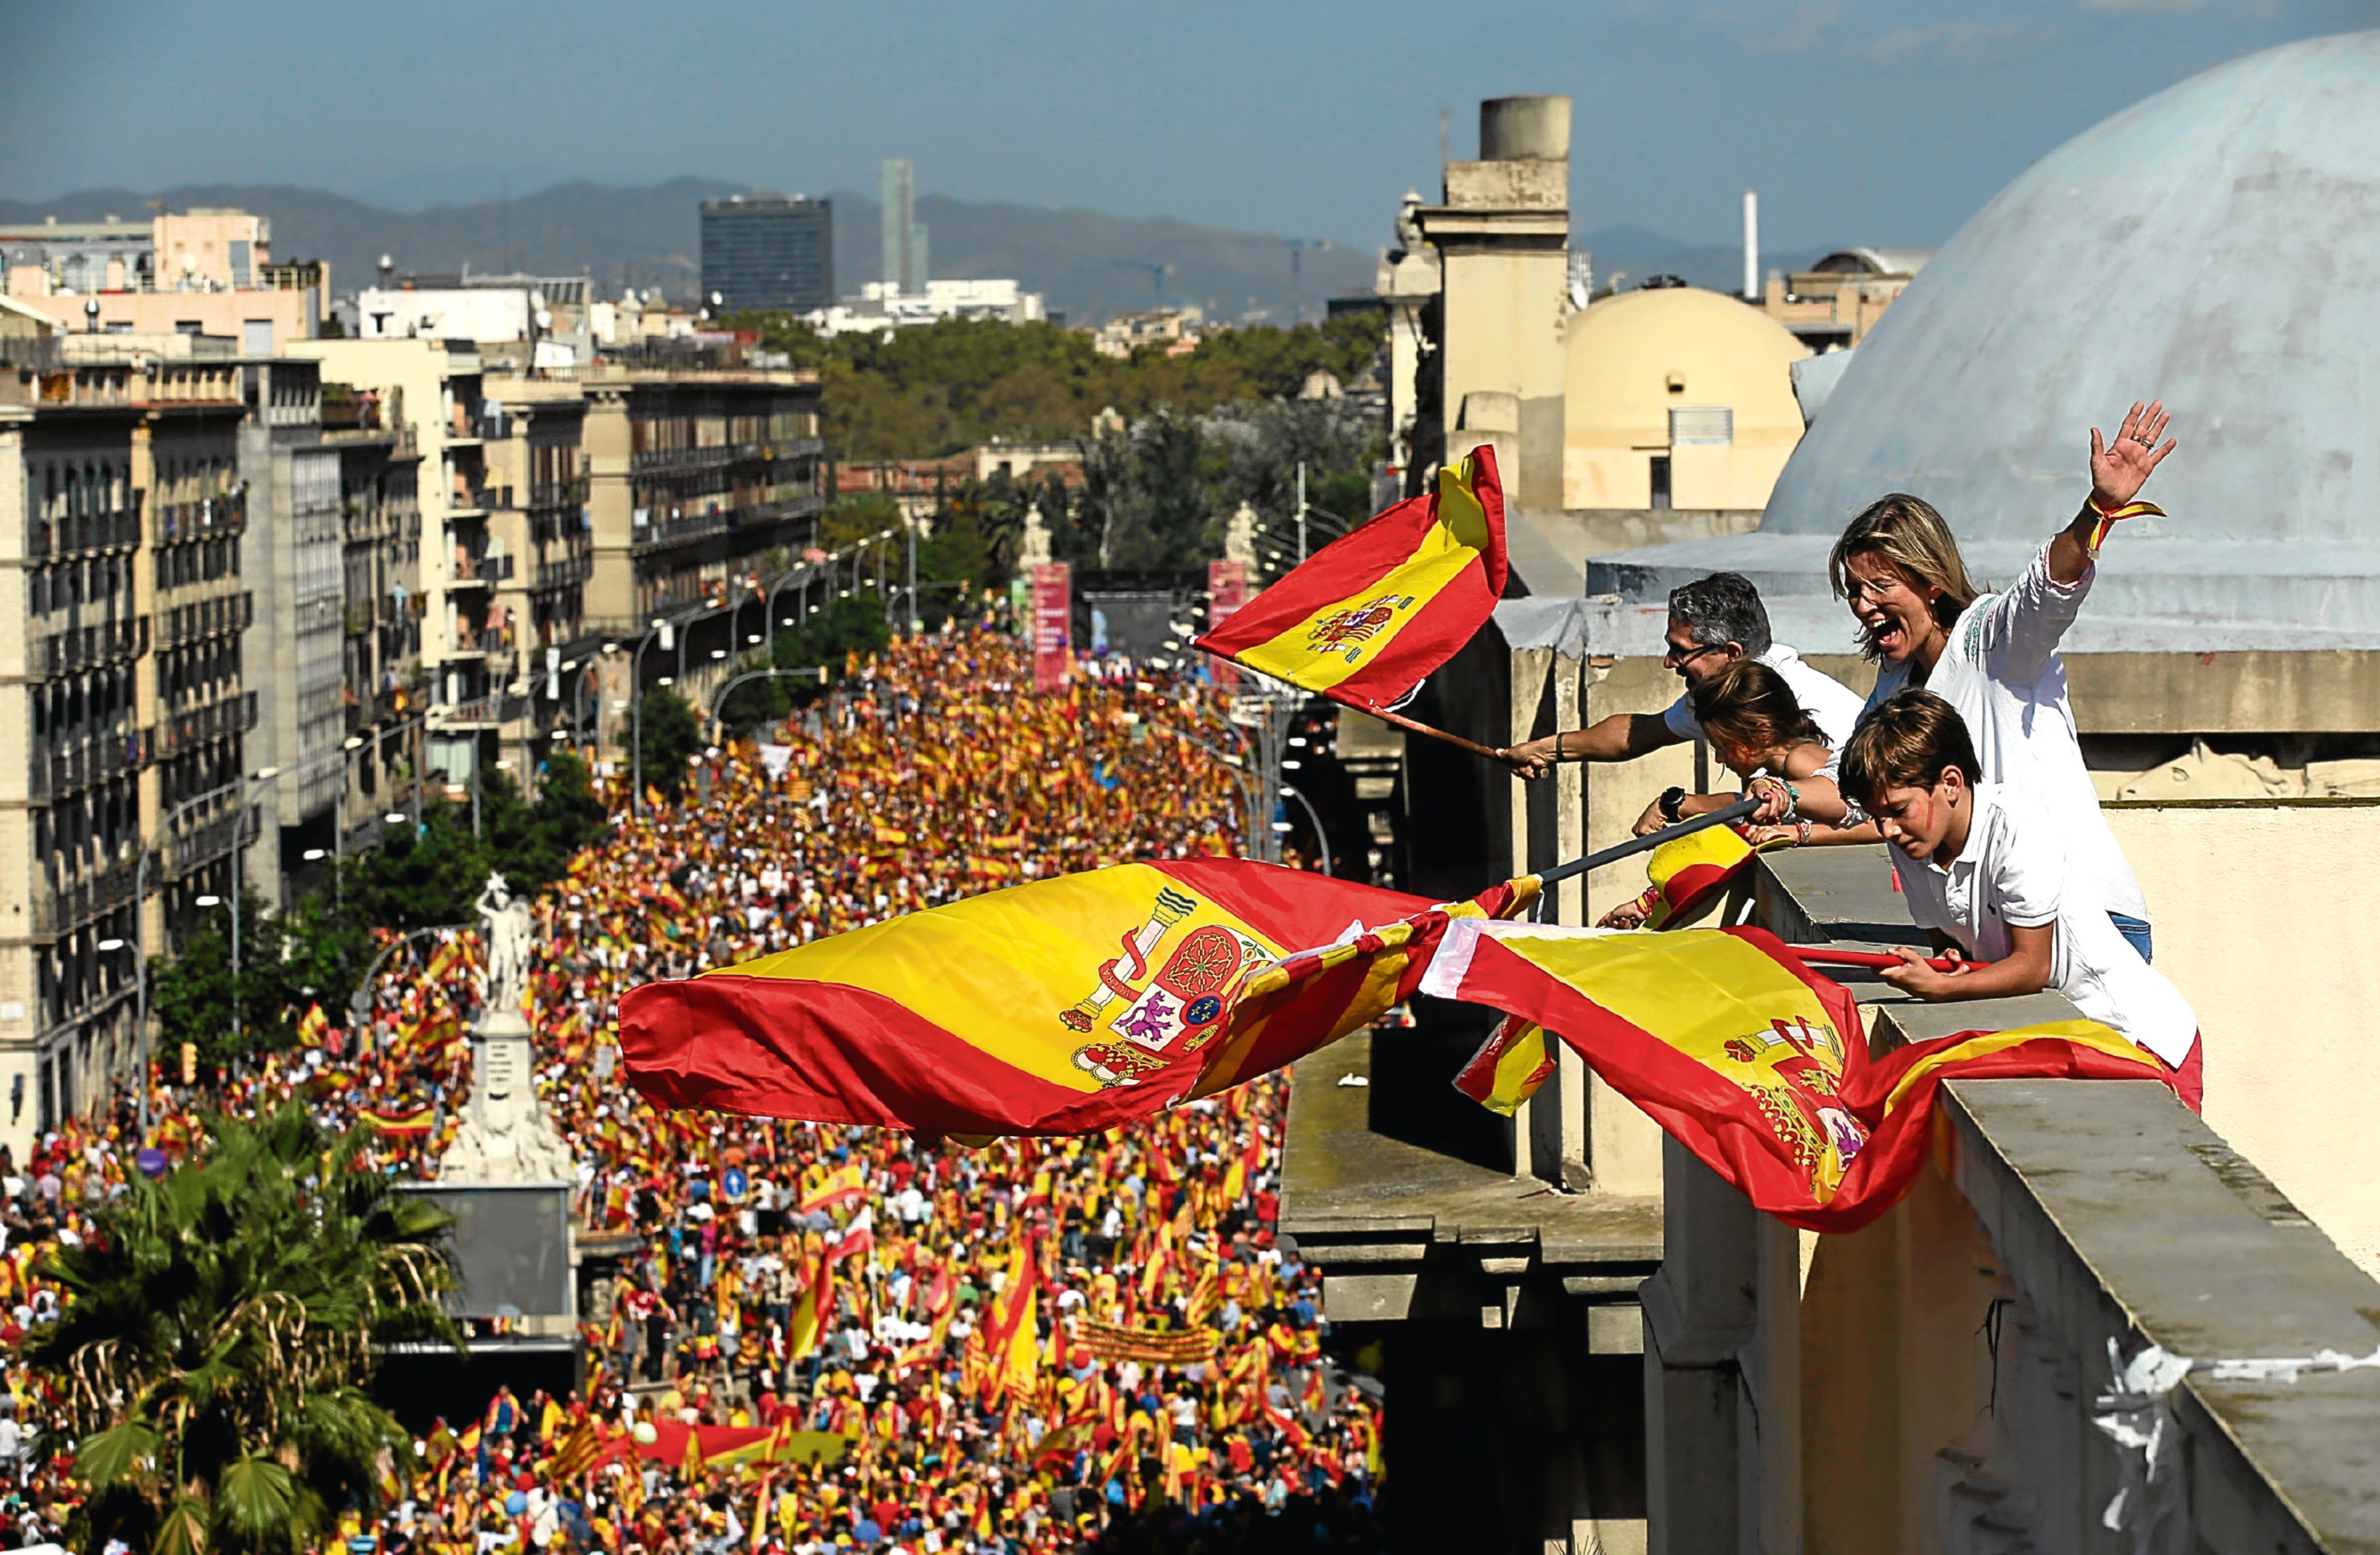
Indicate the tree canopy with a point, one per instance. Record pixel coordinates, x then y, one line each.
218 1333
933 389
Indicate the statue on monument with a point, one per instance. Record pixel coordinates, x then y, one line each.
505 1136
505 930
1239 537
1033 550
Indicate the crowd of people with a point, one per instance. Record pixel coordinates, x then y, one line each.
799 1338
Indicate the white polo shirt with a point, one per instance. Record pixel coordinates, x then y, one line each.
1835 706
2012 871
2002 671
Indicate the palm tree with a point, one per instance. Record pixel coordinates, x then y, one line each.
217 1334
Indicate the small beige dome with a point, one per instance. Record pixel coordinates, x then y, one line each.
1681 383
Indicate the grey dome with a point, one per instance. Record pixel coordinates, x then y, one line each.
2217 243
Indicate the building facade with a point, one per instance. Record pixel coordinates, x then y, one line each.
123 703
767 252
294 564
906 264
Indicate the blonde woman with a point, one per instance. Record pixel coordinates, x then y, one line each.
1994 657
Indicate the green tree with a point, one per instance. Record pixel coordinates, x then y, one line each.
933 389
218 1334
192 991
667 737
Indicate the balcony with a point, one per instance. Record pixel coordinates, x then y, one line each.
61 767
481 712
557 493
561 572
646 538
209 518
87 648
224 615
671 461
465 498
198 846
68 907
189 730
478 570
85 533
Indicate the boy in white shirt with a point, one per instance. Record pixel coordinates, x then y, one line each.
1988 879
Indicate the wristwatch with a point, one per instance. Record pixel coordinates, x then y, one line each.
1671 798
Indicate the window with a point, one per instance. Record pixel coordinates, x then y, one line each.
1660 481
1702 426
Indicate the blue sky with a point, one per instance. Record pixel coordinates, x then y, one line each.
1858 121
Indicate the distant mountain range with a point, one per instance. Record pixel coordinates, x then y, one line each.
1089 265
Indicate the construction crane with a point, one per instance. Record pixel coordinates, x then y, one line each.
1156 275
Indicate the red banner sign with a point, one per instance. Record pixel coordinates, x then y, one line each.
1053 624
1227 590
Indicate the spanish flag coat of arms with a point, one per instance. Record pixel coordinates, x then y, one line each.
1061 1006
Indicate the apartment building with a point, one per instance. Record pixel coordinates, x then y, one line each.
380 512
204 270
294 564
123 610
435 386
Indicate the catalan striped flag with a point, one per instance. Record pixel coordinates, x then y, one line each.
1367 618
1750 1059
1061 1006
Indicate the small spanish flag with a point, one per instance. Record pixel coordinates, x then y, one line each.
390 1121
1507 1068
1367 618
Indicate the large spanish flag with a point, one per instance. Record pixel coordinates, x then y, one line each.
1367 618
1063 1006
1750 1059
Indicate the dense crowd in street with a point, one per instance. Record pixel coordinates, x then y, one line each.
801 1337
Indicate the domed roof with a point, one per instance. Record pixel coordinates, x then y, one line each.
2218 246
1625 351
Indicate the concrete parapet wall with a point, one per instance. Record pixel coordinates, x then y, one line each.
2260 924
1946 1361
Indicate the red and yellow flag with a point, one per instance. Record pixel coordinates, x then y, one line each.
1367 618
1061 1006
391 1120
1509 1067
845 1186
1750 1059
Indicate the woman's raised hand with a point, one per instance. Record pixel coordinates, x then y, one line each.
2119 468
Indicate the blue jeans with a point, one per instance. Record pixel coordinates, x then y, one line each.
2136 931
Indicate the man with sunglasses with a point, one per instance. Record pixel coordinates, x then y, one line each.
1714 621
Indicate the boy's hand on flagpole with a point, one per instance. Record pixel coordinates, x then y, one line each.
1915 977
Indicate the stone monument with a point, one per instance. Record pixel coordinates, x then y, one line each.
505 1136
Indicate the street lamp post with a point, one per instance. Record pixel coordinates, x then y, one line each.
238 828
661 629
140 931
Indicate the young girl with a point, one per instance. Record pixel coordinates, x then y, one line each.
1759 732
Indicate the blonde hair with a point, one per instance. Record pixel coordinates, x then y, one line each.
1906 533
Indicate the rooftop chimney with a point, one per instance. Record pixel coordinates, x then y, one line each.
1750 247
